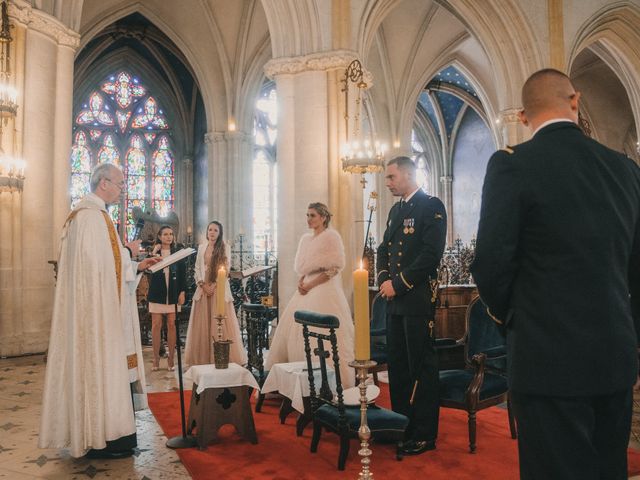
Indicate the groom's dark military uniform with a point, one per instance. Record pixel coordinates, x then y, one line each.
409 256
557 255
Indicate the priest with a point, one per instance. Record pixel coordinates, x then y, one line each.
94 353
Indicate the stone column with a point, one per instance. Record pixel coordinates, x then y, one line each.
229 181
10 274
62 136
239 186
186 178
216 169
44 77
447 199
307 143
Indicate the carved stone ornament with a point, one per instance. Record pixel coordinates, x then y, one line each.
213 137
510 115
323 61
41 22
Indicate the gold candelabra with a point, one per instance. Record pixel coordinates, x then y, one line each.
364 432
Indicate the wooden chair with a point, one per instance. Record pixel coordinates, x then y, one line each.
256 319
482 383
328 408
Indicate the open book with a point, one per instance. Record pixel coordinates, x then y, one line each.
171 259
248 272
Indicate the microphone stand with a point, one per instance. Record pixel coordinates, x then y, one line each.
183 441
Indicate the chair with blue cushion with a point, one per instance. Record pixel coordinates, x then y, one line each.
483 382
328 408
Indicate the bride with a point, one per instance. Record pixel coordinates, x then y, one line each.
319 261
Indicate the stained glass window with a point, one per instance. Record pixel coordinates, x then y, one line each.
121 123
162 188
265 182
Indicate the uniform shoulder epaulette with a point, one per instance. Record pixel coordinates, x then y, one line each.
508 149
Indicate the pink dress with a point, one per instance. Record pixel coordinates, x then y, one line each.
203 326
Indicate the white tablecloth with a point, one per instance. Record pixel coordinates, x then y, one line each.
292 381
208 376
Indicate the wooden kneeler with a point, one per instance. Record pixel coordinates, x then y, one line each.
215 407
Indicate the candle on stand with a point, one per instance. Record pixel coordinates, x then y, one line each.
221 281
361 312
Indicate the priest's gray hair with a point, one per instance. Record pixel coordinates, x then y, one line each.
99 173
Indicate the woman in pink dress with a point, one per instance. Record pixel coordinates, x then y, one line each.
202 324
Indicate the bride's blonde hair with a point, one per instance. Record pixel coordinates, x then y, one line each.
323 211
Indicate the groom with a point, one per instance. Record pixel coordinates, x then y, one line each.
407 259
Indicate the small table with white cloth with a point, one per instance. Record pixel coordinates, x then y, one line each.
219 397
292 381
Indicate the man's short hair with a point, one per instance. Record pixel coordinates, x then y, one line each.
403 163
99 173
546 89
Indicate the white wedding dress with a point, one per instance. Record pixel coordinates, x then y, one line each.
316 253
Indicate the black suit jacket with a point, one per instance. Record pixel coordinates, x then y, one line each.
158 285
557 255
411 251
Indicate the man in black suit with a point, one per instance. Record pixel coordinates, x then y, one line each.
407 259
558 264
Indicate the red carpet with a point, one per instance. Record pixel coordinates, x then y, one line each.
280 455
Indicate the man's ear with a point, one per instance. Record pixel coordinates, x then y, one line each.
523 118
575 101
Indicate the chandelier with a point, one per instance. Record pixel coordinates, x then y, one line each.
8 94
11 169
11 174
361 153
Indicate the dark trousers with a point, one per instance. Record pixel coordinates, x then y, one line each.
411 355
567 438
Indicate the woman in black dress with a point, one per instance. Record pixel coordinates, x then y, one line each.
163 295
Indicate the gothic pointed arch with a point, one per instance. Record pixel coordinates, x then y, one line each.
133 76
122 123
611 35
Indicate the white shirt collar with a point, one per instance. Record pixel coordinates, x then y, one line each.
411 195
549 122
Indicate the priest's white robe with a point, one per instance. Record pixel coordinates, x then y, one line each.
87 395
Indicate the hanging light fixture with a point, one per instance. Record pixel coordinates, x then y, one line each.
8 93
11 169
11 174
361 153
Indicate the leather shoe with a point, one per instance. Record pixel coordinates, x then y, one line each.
105 454
416 447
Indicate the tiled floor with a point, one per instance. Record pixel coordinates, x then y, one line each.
21 383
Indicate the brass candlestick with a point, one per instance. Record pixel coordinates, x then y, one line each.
220 346
364 433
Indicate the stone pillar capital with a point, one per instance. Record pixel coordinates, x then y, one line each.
320 61
510 116
213 137
39 21
237 136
